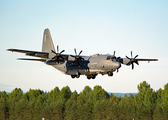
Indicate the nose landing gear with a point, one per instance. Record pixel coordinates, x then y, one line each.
110 73
75 76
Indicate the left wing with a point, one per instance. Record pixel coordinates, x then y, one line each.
131 61
31 53
147 60
128 61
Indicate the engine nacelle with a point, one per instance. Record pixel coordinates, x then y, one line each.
54 62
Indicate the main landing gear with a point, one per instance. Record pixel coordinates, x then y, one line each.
75 76
91 76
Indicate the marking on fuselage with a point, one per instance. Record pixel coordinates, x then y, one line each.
44 38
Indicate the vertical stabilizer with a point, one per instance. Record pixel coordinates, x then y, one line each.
47 42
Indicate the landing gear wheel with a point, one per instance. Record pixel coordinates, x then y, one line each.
94 77
110 73
73 76
77 76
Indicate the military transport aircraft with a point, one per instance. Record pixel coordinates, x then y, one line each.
76 65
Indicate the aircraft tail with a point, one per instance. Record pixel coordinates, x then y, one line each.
47 42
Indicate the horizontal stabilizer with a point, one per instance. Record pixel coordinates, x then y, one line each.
42 60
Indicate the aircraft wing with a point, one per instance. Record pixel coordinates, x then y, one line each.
146 59
31 53
42 60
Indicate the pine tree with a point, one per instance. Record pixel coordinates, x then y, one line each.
71 112
4 107
145 101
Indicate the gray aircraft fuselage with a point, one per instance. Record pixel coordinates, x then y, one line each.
92 65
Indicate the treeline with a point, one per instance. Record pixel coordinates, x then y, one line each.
90 104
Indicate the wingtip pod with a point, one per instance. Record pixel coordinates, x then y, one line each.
154 60
9 50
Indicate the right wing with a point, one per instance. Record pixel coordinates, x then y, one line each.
31 53
43 55
41 60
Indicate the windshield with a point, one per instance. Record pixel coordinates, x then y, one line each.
113 58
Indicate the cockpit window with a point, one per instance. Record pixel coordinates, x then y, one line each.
113 58
109 57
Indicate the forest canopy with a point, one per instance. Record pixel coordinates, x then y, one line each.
90 104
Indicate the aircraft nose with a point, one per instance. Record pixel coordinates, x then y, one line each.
117 65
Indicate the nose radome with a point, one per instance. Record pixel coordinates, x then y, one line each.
117 65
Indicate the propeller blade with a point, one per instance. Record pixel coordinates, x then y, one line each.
132 60
82 58
78 61
75 51
53 51
61 57
57 55
58 59
72 56
136 56
57 49
136 62
77 57
114 53
80 52
128 57
132 65
62 51
54 57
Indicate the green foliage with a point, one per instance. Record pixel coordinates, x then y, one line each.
164 102
100 110
65 94
90 104
98 94
71 112
53 95
15 95
145 101
3 105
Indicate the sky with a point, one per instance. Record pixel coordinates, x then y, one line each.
94 26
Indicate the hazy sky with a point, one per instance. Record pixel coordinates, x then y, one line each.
94 26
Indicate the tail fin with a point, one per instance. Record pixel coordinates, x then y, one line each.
47 42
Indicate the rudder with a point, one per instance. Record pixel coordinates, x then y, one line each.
47 42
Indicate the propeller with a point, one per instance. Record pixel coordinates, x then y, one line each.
77 57
117 58
114 53
132 60
57 55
